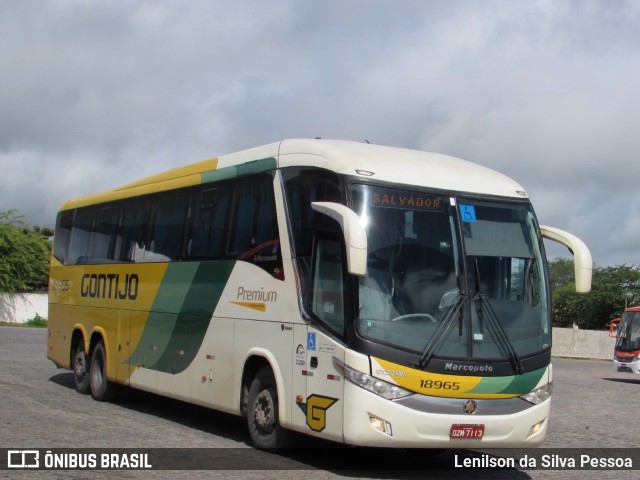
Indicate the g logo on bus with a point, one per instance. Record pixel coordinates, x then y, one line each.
470 407
316 411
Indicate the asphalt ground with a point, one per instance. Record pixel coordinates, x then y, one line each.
594 412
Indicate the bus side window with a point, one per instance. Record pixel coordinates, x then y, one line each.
199 241
79 242
254 235
102 239
129 239
304 186
245 210
327 302
169 211
62 236
209 227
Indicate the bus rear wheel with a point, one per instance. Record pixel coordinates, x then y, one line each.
101 388
262 412
81 362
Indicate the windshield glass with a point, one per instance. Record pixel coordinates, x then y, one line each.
451 277
629 332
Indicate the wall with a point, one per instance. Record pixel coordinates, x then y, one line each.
22 307
576 343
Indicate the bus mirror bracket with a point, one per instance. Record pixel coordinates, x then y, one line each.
581 255
355 236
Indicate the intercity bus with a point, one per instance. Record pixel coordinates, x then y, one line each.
626 354
363 294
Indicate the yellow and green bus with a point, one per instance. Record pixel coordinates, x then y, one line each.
364 294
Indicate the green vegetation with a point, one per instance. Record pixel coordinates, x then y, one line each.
37 321
613 289
24 254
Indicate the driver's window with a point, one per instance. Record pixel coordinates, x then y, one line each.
327 302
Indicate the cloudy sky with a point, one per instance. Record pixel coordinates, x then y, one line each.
97 93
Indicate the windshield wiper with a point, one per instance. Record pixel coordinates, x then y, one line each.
496 328
444 327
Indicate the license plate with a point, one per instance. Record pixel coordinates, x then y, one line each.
466 431
623 365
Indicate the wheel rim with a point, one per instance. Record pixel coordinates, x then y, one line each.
80 367
264 413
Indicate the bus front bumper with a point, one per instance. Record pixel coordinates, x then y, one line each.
371 420
627 366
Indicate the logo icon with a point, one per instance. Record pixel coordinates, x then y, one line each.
23 459
470 407
316 411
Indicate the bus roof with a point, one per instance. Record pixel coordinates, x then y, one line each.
391 164
400 165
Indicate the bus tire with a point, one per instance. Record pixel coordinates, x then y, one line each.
81 364
262 412
101 388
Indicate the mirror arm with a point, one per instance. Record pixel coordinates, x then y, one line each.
581 255
355 236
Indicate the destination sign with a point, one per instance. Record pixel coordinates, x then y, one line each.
389 198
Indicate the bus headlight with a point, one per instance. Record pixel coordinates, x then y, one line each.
372 384
539 395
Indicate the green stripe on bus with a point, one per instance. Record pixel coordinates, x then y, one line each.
162 316
514 385
256 166
180 314
194 317
525 383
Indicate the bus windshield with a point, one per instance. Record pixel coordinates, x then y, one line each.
452 277
629 332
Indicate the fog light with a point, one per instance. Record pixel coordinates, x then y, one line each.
380 424
536 428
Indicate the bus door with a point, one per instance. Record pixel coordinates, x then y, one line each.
325 384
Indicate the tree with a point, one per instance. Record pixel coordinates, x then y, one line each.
612 290
561 272
24 254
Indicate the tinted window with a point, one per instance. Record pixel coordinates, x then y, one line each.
62 235
129 245
166 227
103 233
254 234
304 186
210 225
79 244
327 302
234 220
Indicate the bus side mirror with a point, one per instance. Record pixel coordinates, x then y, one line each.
355 236
581 255
613 327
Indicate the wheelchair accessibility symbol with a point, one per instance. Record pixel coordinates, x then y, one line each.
311 341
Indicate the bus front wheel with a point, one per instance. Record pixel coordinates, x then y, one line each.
262 412
101 388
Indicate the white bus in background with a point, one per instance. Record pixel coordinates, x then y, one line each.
364 294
